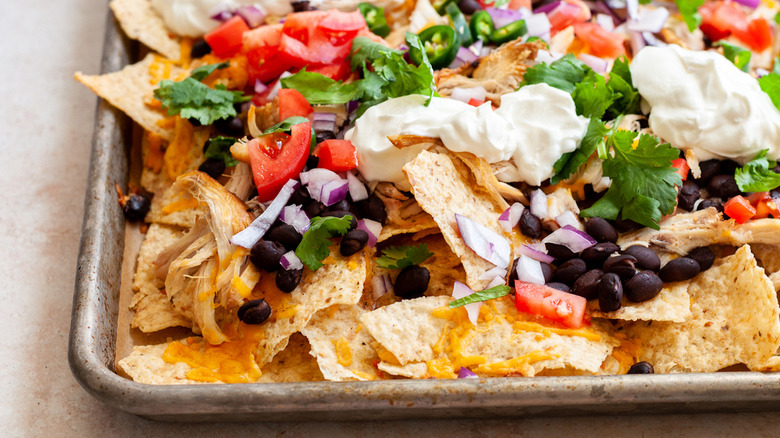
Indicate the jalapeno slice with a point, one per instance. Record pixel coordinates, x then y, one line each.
481 26
458 21
441 45
441 5
509 32
375 19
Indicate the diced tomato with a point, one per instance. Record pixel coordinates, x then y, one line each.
264 36
720 19
475 102
767 207
336 155
341 27
757 35
226 40
565 15
292 103
520 4
600 42
739 209
755 198
338 72
565 308
275 158
682 167
266 69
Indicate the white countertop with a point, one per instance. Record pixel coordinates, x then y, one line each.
45 132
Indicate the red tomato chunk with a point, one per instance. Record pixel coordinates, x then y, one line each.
565 308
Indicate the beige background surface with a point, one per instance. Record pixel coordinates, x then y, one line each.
45 131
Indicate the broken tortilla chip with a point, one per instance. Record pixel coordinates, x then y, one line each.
768 256
735 319
158 237
671 304
141 22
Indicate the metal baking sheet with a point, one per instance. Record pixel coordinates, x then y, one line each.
94 330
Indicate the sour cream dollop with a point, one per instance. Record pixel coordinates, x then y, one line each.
193 17
701 101
523 138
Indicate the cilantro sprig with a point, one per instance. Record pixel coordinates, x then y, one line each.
218 148
400 257
192 99
487 294
739 56
689 10
757 175
315 246
770 84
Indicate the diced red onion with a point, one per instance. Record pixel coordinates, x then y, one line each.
357 190
257 229
277 85
632 7
373 228
333 192
571 238
294 216
535 254
605 7
605 21
529 270
650 20
260 87
253 16
652 40
760 72
511 216
353 105
380 285
290 261
466 373
316 178
547 8
324 122
539 204
476 48
598 65
485 242
502 17
637 41
486 50
569 218
749 3
466 94
491 274
464 56
460 290
222 16
538 25
496 281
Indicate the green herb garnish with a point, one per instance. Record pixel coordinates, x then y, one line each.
400 257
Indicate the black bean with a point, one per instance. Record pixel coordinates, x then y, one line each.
353 242
530 225
288 280
626 225
136 207
212 167
266 255
622 265
709 169
510 279
324 135
704 256
254 312
312 162
200 49
560 252
643 286
233 126
194 122
469 7
570 271
610 293
599 252
689 194
412 282
645 257
723 186
342 213
373 208
285 234
314 208
641 368
547 271
707 203
680 269
601 230
341 205
559 286
300 6
300 196
587 285
728 167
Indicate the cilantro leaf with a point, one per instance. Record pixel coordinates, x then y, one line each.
192 99
319 89
487 294
689 9
626 97
315 246
286 124
592 97
218 148
399 257
571 161
757 174
737 55
776 67
770 84
564 73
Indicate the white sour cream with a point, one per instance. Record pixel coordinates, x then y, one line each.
525 136
193 17
701 101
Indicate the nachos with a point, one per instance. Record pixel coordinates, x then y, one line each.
337 190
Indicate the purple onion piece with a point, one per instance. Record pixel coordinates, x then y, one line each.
260 87
539 203
606 21
493 273
466 373
333 192
353 105
568 218
535 254
652 40
547 8
538 25
222 16
294 216
571 238
324 125
316 178
632 7
253 16
749 3
464 56
460 290
488 244
650 20
502 17
257 229
380 285
466 94
637 41
357 190
511 216
290 261
372 228
598 65
476 48
529 270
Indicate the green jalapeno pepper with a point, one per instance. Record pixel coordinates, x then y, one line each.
375 19
458 21
441 44
481 26
509 32
441 5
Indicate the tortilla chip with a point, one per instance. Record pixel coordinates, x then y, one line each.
127 90
420 222
735 319
671 304
293 364
426 331
768 256
146 365
341 345
158 237
775 279
442 190
411 370
141 22
153 311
